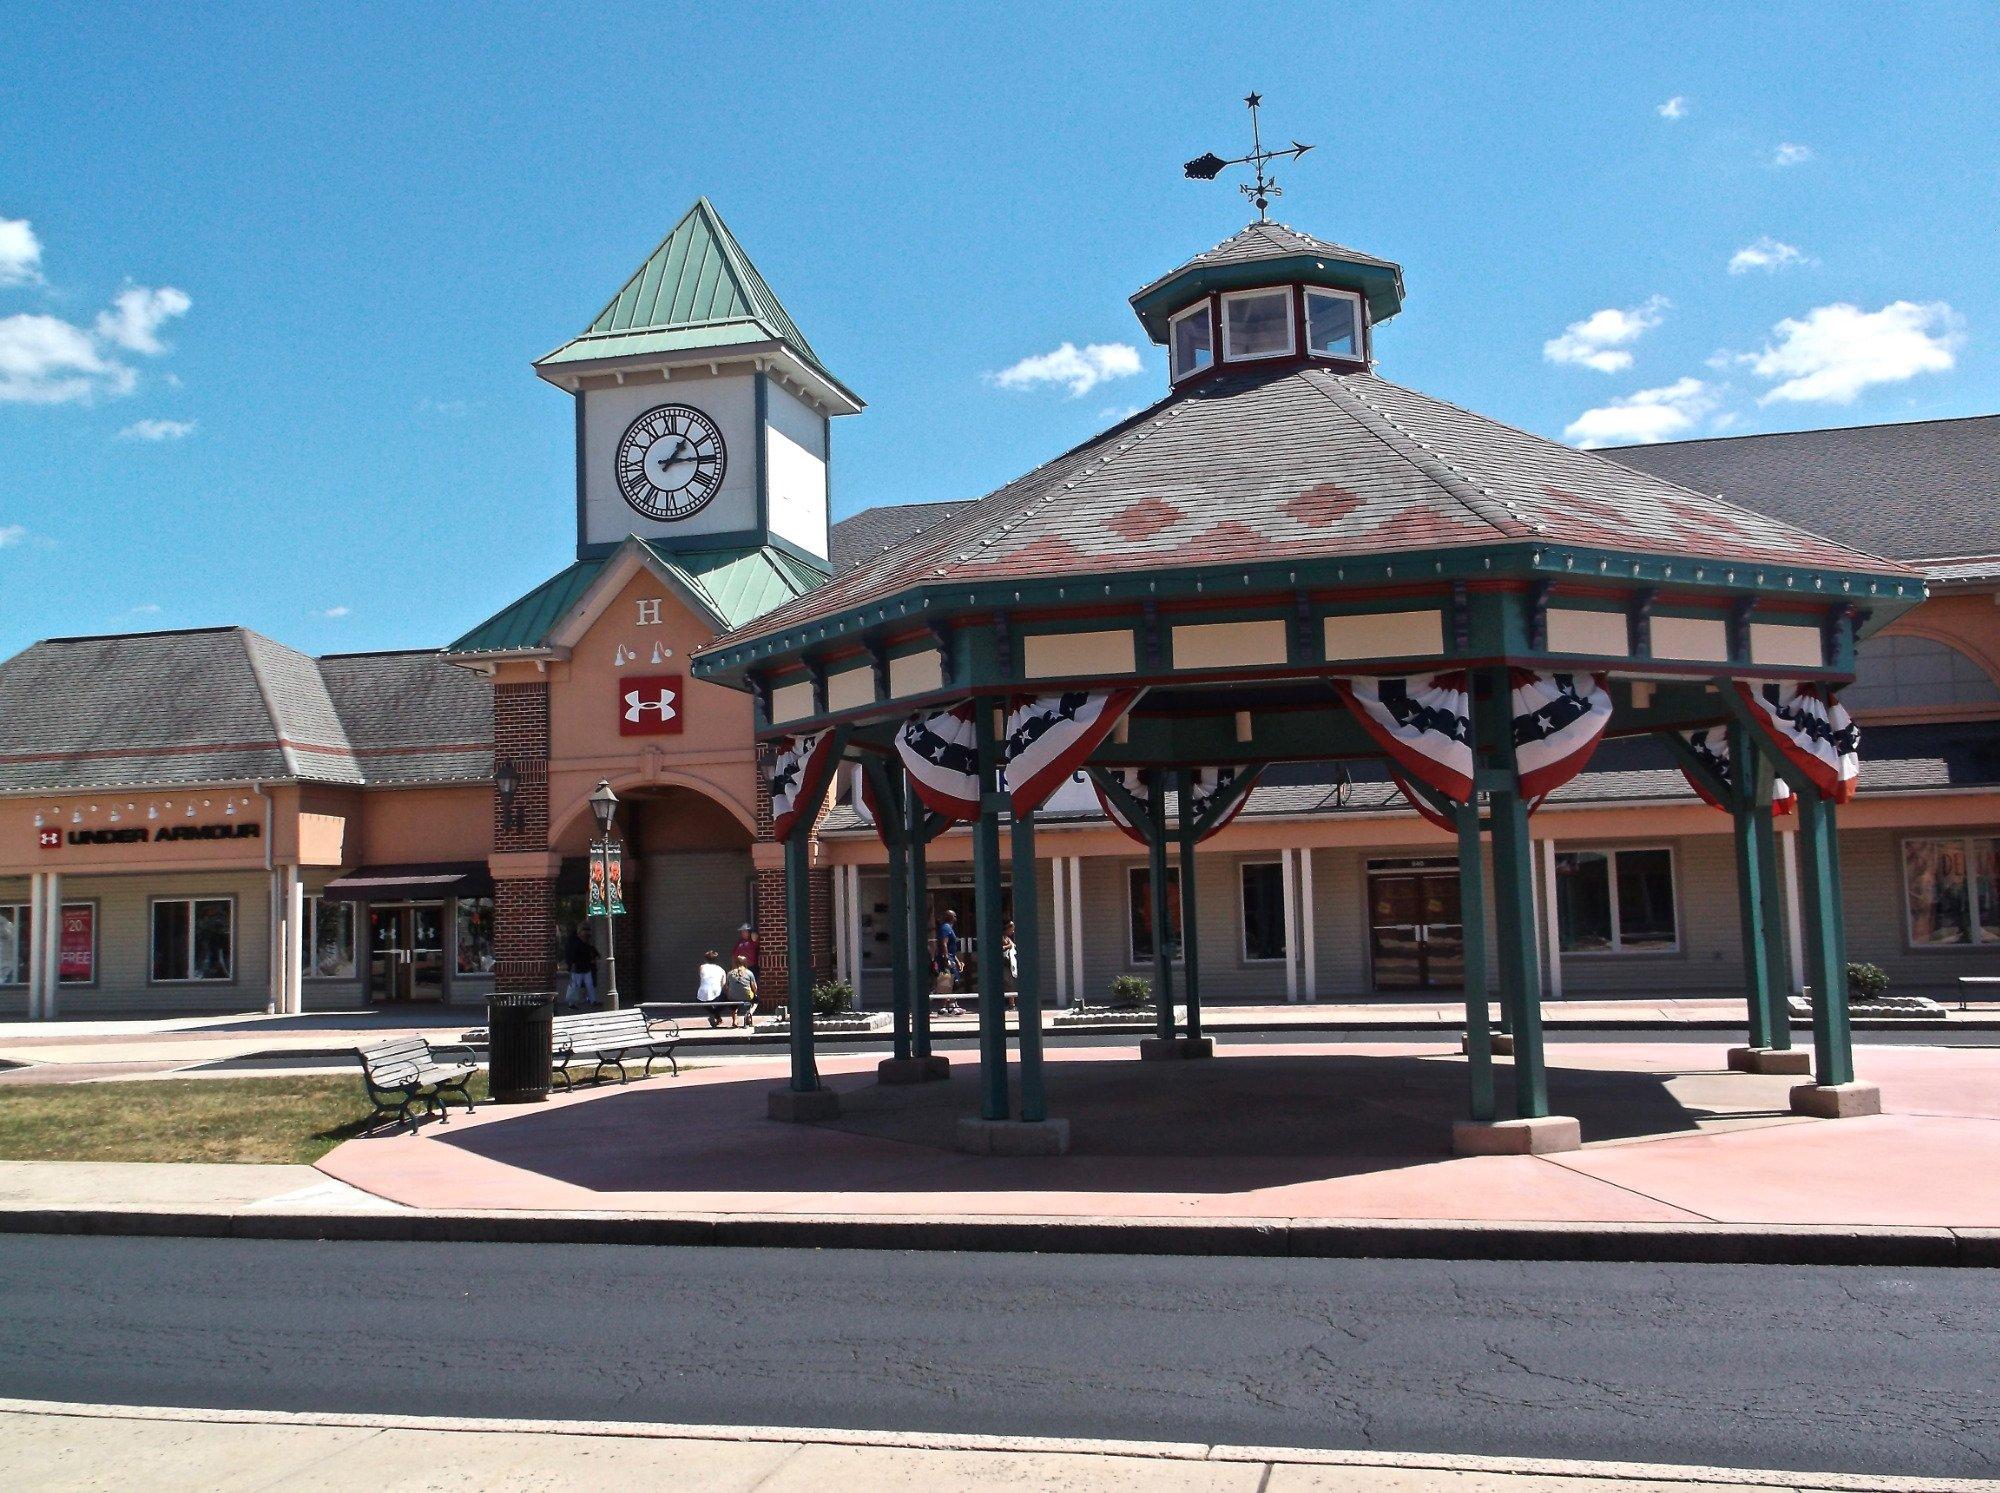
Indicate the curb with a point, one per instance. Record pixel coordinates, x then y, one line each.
1323 1239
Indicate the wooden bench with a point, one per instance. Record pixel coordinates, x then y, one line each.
408 1071
712 1010
607 1039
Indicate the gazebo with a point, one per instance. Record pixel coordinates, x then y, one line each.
1291 559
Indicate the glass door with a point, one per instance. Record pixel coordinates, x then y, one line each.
1416 932
426 946
389 971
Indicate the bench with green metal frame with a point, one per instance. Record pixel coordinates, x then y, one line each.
608 1039
401 1074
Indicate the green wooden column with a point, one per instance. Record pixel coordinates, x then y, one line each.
1156 850
1028 946
1825 940
917 887
1777 945
1472 911
1516 964
994 1101
1189 836
798 957
1744 811
895 829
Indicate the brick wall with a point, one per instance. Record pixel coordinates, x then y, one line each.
523 941
523 911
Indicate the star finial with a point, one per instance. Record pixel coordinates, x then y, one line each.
1264 187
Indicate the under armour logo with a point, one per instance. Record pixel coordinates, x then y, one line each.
636 705
50 839
650 706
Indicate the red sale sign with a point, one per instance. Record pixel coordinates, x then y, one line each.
649 705
78 945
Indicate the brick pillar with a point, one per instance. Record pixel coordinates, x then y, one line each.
523 910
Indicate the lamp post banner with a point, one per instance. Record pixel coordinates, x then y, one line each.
942 756
1558 721
1208 783
1711 745
799 768
1816 735
1422 721
1049 736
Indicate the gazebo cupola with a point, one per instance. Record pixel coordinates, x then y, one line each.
1269 296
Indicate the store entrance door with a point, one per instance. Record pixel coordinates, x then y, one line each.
1415 930
406 952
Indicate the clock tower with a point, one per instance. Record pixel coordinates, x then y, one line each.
702 412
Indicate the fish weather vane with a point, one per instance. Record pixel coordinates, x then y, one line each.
1264 187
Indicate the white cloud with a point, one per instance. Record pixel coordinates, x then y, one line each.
136 315
1647 416
335 612
1674 108
1602 339
45 360
1081 369
1789 154
157 430
1766 253
20 252
12 534
1832 353
145 609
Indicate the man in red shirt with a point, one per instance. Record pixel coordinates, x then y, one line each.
746 947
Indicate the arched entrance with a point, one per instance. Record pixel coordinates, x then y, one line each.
694 884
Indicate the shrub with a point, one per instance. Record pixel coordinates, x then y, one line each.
1866 981
1128 991
831 997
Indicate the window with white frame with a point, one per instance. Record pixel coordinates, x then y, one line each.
1263 911
1257 324
1616 901
194 940
1191 341
1951 891
329 939
1139 906
77 959
1333 323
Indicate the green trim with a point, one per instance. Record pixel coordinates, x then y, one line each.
1380 285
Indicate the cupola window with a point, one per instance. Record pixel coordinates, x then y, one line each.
1193 349
1333 324
1257 324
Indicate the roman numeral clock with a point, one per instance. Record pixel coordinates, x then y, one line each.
670 462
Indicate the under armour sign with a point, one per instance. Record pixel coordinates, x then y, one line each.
649 705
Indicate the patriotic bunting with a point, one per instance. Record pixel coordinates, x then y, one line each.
799 769
1209 783
1816 735
1422 722
1558 721
1429 811
942 756
1711 745
1049 736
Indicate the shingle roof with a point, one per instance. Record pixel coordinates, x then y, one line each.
1918 490
412 717
1301 464
873 532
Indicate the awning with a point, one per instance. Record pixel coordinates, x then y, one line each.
417 883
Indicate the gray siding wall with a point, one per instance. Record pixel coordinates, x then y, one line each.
1871 870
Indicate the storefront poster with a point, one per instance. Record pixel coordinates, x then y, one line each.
78 945
607 873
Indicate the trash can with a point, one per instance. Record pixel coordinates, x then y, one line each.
519 1033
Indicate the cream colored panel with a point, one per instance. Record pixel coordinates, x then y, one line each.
1229 645
850 688
916 673
1065 655
1603 634
791 702
1777 643
1384 635
322 840
1703 639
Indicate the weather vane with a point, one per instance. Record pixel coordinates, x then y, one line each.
1264 188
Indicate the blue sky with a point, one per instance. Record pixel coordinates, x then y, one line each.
274 283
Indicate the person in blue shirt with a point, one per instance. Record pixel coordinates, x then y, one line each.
945 961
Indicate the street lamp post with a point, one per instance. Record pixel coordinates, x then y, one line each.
604 804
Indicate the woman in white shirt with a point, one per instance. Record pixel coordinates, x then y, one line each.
709 989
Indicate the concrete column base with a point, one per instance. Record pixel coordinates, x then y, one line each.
1498 1043
1173 1049
912 1070
1769 1060
1837 1101
1535 1137
815 1104
1013 1137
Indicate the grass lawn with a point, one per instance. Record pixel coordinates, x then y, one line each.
186 1119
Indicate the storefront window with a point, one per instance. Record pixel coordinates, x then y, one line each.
1263 910
194 939
330 929
1616 901
77 959
1951 889
1141 904
13 944
475 935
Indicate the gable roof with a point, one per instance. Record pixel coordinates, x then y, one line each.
1921 489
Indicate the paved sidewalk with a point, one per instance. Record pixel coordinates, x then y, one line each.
203 1186
65 1446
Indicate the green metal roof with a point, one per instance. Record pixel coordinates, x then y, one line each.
734 586
697 290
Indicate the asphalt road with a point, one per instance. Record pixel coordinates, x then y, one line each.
1820 1369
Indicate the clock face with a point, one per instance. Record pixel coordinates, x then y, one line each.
670 462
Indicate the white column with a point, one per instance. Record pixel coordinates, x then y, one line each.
1290 890
1059 902
1076 927
274 946
1793 934
840 970
854 938
1308 932
51 947
1551 922
295 940
33 936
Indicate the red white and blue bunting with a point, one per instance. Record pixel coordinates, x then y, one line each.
1558 721
941 752
1422 722
1816 734
800 766
1711 745
1209 784
1050 736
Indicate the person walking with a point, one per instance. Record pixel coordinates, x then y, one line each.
946 963
743 991
580 954
708 986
